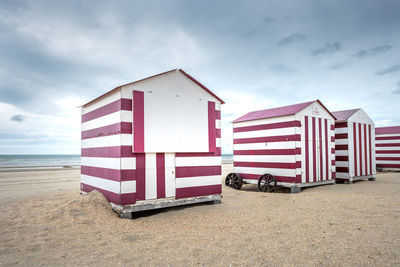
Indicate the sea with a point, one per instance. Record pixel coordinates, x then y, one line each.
56 160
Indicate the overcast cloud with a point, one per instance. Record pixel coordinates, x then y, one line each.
57 55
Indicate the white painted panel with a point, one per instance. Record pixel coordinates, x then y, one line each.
341 152
388 155
108 185
343 175
128 163
198 181
126 116
388 148
170 175
128 187
342 163
341 141
263 121
108 163
102 102
198 161
279 172
106 120
386 135
387 141
263 133
340 130
264 145
151 176
107 141
217 142
389 161
218 124
265 158
175 124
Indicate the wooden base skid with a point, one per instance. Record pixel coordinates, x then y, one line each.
295 188
357 178
162 203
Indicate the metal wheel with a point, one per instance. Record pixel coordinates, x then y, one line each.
234 180
267 182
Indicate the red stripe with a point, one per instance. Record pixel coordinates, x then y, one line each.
360 146
387 151
332 139
108 152
342 158
283 138
388 158
342 169
181 172
387 137
307 150
314 156
277 125
333 175
341 136
117 128
341 147
340 125
388 165
200 154
128 199
122 199
217 114
218 133
370 149
365 150
355 149
109 174
120 104
333 162
160 165
296 151
332 127
141 176
388 145
281 179
138 121
332 150
326 151
278 165
198 191
321 171
211 127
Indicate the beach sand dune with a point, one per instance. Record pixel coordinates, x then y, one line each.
340 224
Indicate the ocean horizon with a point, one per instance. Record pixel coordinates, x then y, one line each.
44 160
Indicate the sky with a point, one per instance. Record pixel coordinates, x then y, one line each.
58 55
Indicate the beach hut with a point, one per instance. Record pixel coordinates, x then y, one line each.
290 146
388 148
153 143
355 145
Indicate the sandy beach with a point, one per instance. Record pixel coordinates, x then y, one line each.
45 221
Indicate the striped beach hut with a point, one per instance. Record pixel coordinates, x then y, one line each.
291 146
153 143
388 148
355 145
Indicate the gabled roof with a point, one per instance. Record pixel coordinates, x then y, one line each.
344 115
387 130
180 70
278 112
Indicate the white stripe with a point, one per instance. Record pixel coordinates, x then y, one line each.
341 141
197 161
342 163
106 141
126 116
108 163
128 163
102 102
273 171
263 121
109 119
388 161
265 158
341 152
264 145
198 181
218 124
388 155
151 176
264 133
108 185
388 148
386 135
341 130
217 106
387 141
128 187
343 175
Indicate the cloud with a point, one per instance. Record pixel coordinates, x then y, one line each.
268 19
391 69
329 48
282 68
18 118
373 51
294 37
397 91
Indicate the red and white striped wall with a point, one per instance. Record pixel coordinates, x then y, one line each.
388 148
110 164
355 155
296 149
